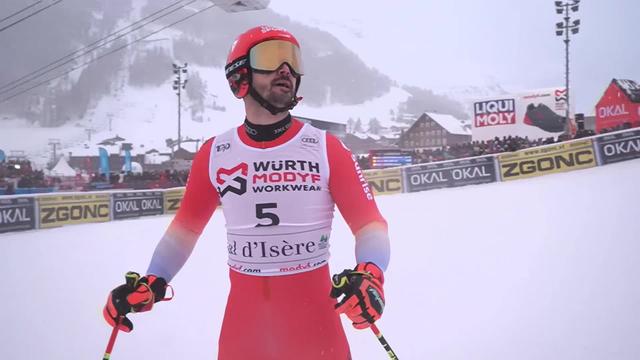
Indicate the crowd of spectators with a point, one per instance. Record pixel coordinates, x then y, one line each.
145 180
19 174
18 177
494 146
478 148
584 133
623 126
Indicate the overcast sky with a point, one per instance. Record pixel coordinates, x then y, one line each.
446 44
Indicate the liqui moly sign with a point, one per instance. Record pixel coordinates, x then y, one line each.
494 112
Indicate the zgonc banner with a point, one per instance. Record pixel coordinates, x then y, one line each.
619 147
136 204
17 214
172 199
73 209
547 160
383 182
451 174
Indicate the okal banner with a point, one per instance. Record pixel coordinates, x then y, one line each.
451 174
619 147
135 204
17 214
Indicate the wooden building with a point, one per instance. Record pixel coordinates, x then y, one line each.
619 105
432 130
337 129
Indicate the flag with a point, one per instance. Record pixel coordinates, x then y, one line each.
104 161
127 160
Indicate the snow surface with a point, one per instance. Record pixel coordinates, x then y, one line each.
545 268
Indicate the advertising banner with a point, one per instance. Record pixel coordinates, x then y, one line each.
17 214
380 159
547 160
172 200
73 209
619 147
535 114
384 182
136 204
451 174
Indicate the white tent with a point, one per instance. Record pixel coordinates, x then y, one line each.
62 168
136 168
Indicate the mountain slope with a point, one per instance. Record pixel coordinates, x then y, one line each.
129 93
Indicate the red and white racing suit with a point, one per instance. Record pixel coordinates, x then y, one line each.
278 200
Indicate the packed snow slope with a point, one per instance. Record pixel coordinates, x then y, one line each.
545 268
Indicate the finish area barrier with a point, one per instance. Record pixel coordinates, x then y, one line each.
42 211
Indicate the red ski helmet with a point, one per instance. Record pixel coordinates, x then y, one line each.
261 48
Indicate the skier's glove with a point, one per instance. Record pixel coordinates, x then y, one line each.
138 294
363 300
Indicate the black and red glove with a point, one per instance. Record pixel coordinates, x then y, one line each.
363 300
138 294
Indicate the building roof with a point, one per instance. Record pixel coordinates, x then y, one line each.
451 124
335 128
630 88
183 154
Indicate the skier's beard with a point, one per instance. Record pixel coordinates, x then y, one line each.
279 99
276 96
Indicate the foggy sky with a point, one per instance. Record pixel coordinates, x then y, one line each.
445 44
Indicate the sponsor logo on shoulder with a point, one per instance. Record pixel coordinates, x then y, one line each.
310 140
223 147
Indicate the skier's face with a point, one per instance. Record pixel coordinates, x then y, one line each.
277 87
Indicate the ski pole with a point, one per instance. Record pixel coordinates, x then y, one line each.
112 340
384 342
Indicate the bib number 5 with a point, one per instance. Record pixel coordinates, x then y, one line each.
270 218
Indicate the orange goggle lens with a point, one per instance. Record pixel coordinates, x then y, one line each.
269 55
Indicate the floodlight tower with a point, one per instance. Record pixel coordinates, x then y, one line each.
567 28
178 84
233 6
180 72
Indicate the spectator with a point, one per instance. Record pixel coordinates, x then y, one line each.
10 190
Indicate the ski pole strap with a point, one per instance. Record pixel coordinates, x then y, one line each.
383 341
132 278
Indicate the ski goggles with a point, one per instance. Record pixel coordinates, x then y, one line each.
269 55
